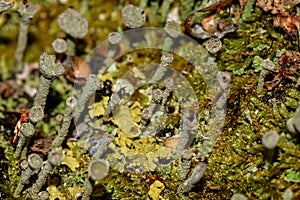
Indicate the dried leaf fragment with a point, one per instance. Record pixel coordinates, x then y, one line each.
289 63
24 118
290 24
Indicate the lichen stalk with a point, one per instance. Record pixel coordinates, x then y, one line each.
196 176
42 91
105 140
113 102
97 170
35 163
27 131
92 84
62 134
24 178
88 189
49 71
268 66
54 159
26 11
270 140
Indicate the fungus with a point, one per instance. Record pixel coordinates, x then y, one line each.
133 17
73 24
270 139
98 169
293 124
290 124
287 194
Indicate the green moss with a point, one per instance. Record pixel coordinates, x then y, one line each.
236 163
11 177
292 176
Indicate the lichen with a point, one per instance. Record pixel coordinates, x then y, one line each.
155 189
145 164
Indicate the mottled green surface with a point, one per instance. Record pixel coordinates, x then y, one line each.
237 162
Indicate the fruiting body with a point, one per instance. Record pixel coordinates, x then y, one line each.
213 45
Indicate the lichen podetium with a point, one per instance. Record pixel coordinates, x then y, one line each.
204 107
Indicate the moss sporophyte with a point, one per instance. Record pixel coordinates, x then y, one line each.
149 99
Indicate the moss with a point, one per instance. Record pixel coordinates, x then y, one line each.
236 163
11 176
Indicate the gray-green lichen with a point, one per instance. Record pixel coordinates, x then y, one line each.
26 11
141 167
